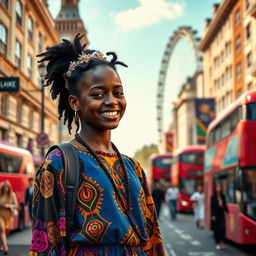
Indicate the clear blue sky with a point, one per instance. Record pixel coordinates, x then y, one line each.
138 31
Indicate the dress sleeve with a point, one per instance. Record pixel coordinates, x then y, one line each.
154 246
212 207
48 208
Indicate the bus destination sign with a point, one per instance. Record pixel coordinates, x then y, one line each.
9 84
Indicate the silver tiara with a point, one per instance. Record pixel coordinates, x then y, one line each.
84 58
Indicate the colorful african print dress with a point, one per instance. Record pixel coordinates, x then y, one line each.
101 226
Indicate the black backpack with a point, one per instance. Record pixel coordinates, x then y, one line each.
71 177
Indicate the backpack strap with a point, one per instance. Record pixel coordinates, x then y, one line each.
71 177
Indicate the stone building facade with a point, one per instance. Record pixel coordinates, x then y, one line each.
27 27
229 51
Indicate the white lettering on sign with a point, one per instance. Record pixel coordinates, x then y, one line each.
8 84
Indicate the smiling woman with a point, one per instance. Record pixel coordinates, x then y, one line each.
114 213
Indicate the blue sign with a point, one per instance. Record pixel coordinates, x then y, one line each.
231 156
209 156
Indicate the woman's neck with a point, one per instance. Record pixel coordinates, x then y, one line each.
97 139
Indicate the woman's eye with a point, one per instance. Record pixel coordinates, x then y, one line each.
119 93
98 94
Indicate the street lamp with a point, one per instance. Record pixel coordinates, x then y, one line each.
42 73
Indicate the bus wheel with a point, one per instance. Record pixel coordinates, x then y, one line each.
21 225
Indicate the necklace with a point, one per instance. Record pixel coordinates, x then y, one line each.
126 177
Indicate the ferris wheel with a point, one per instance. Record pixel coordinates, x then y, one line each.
190 36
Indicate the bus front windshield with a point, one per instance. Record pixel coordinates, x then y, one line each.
163 162
193 158
187 186
249 195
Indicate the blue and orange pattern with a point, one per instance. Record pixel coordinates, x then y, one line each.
101 226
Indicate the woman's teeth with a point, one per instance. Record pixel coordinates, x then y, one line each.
114 113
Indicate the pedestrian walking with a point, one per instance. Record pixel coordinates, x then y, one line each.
171 198
8 209
29 195
197 199
114 212
158 197
218 209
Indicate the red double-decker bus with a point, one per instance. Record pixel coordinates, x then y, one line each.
161 165
17 166
187 173
230 159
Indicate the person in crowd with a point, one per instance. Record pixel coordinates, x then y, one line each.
8 209
218 209
29 195
197 199
171 198
158 196
114 212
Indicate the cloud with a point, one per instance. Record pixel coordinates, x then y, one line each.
149 12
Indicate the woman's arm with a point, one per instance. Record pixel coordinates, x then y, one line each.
48 208
154 246
225 204
213 208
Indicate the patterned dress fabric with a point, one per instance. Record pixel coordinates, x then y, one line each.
101 226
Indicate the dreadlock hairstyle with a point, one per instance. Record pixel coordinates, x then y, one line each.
59 58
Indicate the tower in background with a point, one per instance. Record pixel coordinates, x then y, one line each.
68 22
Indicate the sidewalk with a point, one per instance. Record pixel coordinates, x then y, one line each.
19 242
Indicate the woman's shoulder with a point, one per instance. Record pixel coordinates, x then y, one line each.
54 160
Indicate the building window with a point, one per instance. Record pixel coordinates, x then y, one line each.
4 105
248 59
29 66
3 40
30 29
19 140
31 119
239 93
222 79
247 4
237 17
249 86
230 72
18 54
19 12
222 56
3 134
238 43
5 3
238 71
40 42
19 113
248 31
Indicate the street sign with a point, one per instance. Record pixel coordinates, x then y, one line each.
42 139
9 84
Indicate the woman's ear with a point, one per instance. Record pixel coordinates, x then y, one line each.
74 102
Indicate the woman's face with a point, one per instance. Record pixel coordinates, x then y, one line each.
101 102
218 188
5 188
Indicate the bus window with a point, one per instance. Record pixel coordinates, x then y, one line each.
192 158
162 162
30 168
9 163
225 128
235 117
217 133
249 195
227 180
210 138
251 112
